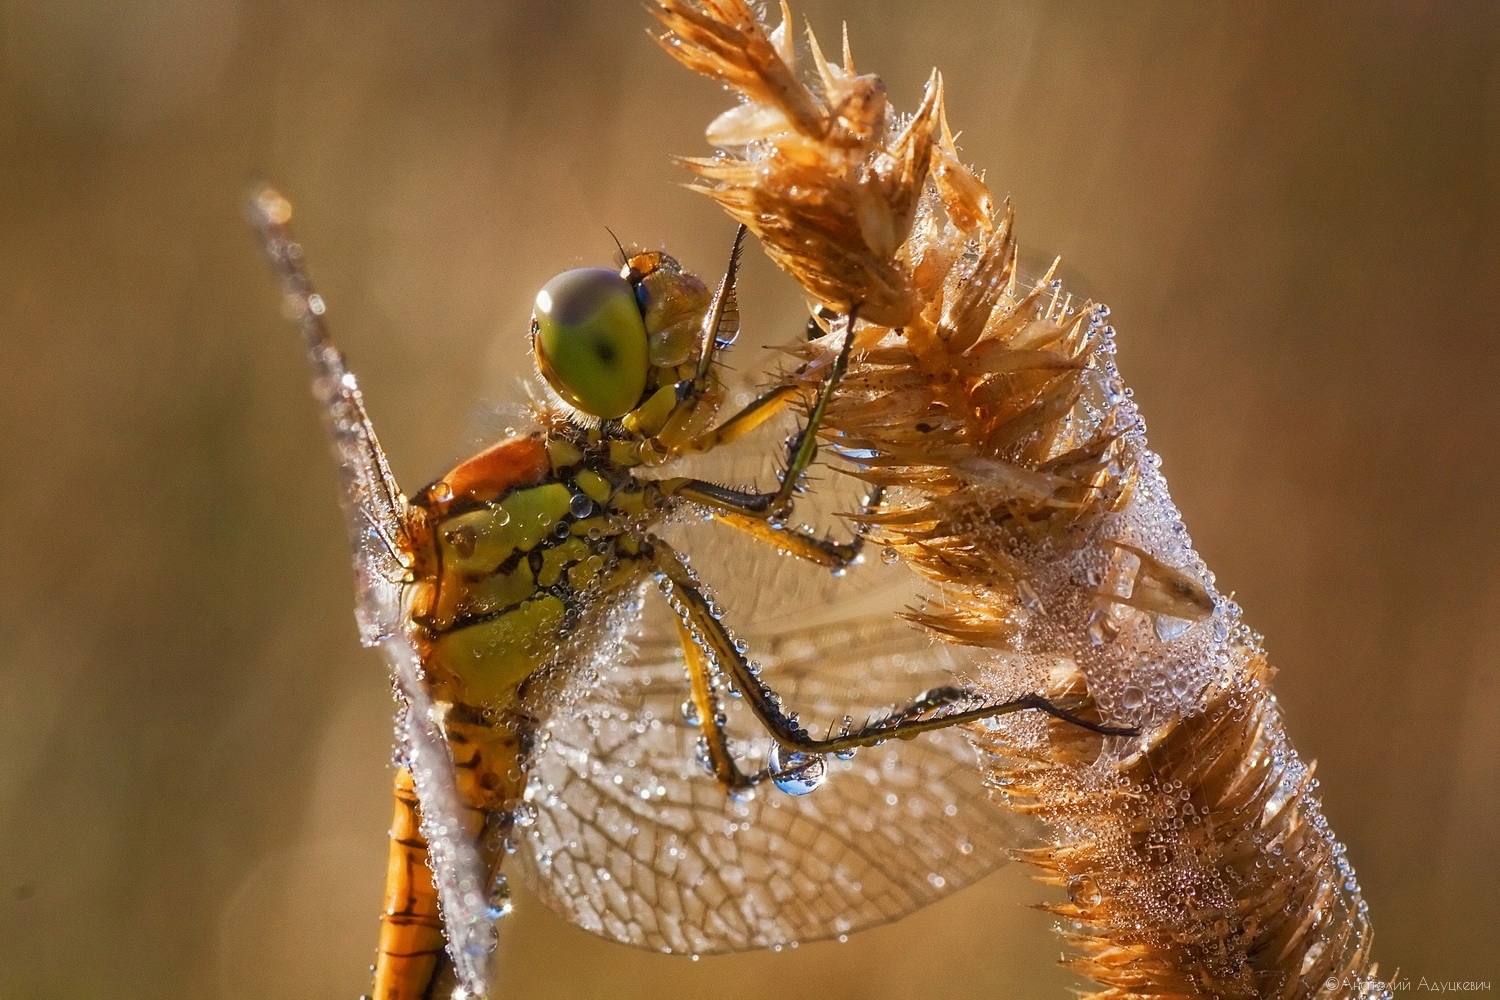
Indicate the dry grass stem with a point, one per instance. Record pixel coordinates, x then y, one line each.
1196 859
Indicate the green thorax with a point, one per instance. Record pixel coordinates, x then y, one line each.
508 577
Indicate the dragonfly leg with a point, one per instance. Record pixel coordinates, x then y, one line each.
802 543
757 411
933 710
805 447
765 406
710 715
802 450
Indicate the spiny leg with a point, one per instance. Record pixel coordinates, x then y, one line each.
756 412
722 324
728 505
721 327
806 447
701 676
803 450
686 596
802 543
767 404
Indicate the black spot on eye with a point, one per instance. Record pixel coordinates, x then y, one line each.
605 351
924 427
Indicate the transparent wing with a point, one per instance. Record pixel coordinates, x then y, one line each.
629 837
375 512
374 507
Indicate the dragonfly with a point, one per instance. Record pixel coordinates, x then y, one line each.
662 788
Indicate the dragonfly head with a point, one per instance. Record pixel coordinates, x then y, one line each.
610 342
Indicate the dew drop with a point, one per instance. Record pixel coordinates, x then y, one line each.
795 773
482 938
1083 891
463 541
1132 698
498 903
690 713
580 505
889 556
1169 628
1029 597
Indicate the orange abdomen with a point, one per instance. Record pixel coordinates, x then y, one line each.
486 758
411 931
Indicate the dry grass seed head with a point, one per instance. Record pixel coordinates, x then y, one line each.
1197 862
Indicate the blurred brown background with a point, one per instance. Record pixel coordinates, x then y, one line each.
1292 209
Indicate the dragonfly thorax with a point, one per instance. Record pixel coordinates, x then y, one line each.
521 542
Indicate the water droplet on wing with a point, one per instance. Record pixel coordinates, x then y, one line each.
498 903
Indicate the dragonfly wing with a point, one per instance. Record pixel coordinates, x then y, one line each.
374 506
628 836
375 511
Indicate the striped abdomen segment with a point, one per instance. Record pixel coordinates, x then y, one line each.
488 750
411 930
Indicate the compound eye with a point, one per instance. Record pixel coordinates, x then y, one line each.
590 341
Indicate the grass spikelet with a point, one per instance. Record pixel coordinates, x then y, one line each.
1196 859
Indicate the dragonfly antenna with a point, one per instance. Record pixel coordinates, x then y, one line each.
624 257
